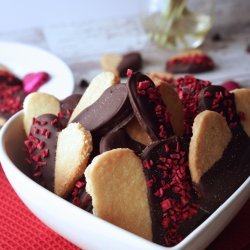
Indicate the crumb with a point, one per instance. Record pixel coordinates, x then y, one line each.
83 83
216 37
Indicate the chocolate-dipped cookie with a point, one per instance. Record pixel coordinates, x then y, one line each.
111 110
119 64
191 61
218 99
218 159
53 164
94 91
11 95
188 89
148 106
173 203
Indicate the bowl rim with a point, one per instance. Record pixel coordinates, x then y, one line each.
102 223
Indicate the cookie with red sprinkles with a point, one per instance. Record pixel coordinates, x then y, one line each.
148 106
11 95
218 99
188 89
190 61
171 196
53 164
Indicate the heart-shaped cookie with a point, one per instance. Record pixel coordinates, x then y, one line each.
57 158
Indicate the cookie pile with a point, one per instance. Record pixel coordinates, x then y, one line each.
13 91
151 156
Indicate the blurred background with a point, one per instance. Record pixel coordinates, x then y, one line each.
16 15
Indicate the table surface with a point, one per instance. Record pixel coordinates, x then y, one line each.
79 46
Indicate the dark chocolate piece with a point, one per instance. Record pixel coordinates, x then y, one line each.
190 64
218 99
248 48
83 83
172 199
111 110
148 106
227 174
216 37
9 79
119 139
41 149
132 60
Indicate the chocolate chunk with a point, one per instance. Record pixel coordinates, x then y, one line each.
171 196
216 37
248 48
119 139
149 107
111 110
41 146
83 83
132 60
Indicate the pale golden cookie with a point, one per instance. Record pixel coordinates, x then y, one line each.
74 146
211 136
110 63
242 103
116 182
137 133
95 89
191 52
36 104
160 76
174 106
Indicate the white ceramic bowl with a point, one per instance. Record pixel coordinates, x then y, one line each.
84 229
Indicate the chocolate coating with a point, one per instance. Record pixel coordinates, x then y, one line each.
67 107
218 99
145 103
111 110
171 196
119 139
132 60
48 171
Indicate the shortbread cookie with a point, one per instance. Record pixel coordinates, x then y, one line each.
148 106
95 89
217 157
119 64
159 77
116 183
190 61
53 164
171 197
188 89
111 110
174 105
218 99
137 133
242 102
211 136
36 104
119 139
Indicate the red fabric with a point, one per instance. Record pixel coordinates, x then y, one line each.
20 229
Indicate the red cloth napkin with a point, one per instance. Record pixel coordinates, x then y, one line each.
20 229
